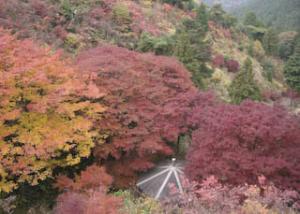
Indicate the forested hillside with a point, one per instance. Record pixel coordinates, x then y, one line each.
282 15
227 4
97 96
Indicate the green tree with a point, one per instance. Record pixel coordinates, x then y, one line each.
216 13
251 19
270 42
258 50
159 45
292 69
184 51
286 44
191 46
202 17
180 3
244 86
219 16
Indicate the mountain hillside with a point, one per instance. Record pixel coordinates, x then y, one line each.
98 95
283 15
227 4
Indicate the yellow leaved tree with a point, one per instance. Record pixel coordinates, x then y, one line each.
47 112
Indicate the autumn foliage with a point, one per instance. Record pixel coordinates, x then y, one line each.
86 194
148 98
218 61
232 65
211 196
46 113
238 143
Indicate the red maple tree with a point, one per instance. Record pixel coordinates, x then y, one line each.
149 100
239 143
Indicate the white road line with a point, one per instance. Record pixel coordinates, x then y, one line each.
178 181
152 177
164 184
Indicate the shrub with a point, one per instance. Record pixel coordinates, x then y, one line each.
67 9
237 143
271 95
121 14
250 48
210 196
241 47
137 205
218 61
146 43
91 202
163 46
232 65
258 50
157 45
86 194
92 177
71 42
39 7
268 70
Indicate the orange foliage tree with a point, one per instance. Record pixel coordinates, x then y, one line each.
46 113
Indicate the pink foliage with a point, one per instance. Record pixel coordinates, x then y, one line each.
238 143
39 7
211 196
291 94
142 23
86 194
92 202
271 95
167 7
218 61
226 33
232 65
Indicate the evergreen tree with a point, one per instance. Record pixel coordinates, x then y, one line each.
185 52
292 69
251 19
192 48
244 86
180 3
182 49
202 18
216 13
219 16
270 42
